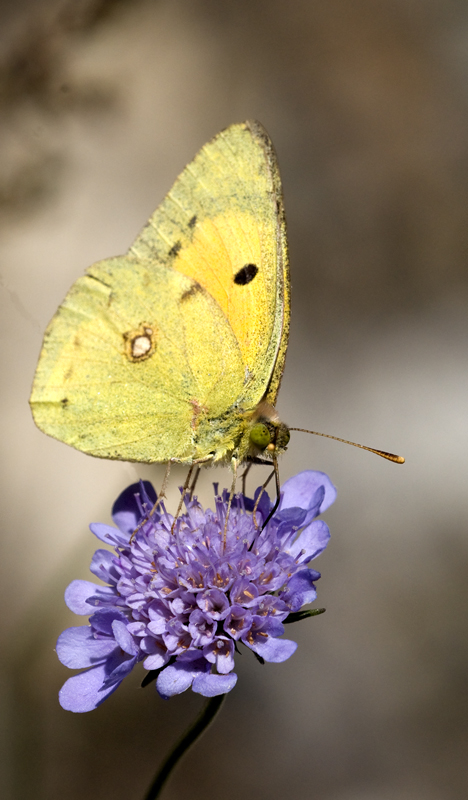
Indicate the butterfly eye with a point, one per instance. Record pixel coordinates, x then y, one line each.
260 435
246 274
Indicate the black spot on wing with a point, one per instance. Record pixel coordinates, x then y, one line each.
175 248
246 274
190 292
193 221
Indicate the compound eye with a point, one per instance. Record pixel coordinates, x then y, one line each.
260 435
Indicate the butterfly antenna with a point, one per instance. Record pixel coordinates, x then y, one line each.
382 453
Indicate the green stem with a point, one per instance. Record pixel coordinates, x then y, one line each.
190 736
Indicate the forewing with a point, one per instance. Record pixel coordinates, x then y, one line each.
223 225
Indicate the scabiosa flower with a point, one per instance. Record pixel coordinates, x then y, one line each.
182 602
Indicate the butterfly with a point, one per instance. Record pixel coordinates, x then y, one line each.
175 351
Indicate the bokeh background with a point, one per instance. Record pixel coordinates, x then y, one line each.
103 103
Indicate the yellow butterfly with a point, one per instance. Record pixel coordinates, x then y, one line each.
175 351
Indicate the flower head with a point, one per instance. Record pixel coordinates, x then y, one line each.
182 602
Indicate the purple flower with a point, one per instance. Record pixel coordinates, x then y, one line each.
183 602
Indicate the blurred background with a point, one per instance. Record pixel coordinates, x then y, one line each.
103 102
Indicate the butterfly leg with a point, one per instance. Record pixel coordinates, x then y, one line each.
182 496
244 476
234 463
263 487
278 490
278 493
160 497
162 493
187 484
194 482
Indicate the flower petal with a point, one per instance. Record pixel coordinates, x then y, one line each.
109 535
123 638
101 621
273 650
77 648
290 517
312 541
85 691
119 672
176 678
156 660
300 589
103 566
211 685
126 510
299 490
76 595
221 653
264 506
237 622
79 593
213 602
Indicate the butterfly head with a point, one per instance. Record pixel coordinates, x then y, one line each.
268 435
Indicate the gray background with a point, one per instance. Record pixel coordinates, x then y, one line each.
102 104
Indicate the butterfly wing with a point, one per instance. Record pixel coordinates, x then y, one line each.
154 355
122 374
223 224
